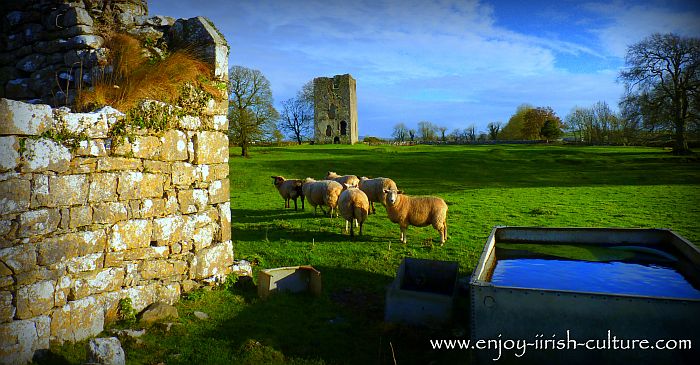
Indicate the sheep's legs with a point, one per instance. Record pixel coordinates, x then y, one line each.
295 203
361 228
403 235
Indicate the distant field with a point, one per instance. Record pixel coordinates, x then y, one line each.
484 186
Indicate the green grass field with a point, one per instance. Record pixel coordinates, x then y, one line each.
484 186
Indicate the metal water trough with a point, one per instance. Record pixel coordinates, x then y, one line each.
423 293
524 313
293 279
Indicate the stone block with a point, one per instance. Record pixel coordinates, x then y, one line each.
39 274
224 222
19 259
210 147
106 351
80 216
169 293
149 208
24 119
7 309
85 263
77 320
93 147
168 229
141 296
220 123
19 340
9 153
106 280
218 171
203 237
157 167
14 196
75 15
45 155
64 247
174 146
130 234
192 200
146 147
68 190
145 253
83 165
35 299
190 122
184 174
103 187
94 124
138 185
171 204
213 261
109 213
155 269
219 191
118 163
38 222
86 41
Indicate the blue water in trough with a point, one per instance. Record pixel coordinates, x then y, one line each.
618 270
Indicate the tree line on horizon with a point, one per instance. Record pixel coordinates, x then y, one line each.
660 105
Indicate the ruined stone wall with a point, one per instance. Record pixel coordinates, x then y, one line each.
147 219
335 110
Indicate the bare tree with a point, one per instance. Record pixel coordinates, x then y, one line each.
400 132
412 134
442 130
471 133
665 69
250 113
298 115
427 130
494 128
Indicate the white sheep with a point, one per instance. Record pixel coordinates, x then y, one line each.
374 188
353 205
419 211
345 179
320 193
289 189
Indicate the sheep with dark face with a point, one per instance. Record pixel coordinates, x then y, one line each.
320 193
353 206
351 180
374 189
289 190
419 211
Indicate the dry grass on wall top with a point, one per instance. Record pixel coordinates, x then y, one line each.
134 77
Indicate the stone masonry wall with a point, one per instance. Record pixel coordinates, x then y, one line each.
148 219
81 228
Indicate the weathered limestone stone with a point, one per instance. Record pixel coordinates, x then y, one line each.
145 253
174 146
94 125
38 274
189 285
85 41
109 213
146 147
40 191
149 208
68 190
203 237
19 340
120 147
9 153
189 122
7 310
118 163
218 171
202 35
89 262
213 261
24 119
220 123
157 166
93 147
210 147
110 304
168 229
74 16
106 280
83 165
171 204
193 200
45 155
141 296
130 234
80 216
38 222
14 196
138 185
155 269
21 258
170 293
35 299
224 222
103 187
62 290
106 351
157 312
184 174
60 248
219 191
77 320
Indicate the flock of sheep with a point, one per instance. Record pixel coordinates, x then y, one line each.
353 198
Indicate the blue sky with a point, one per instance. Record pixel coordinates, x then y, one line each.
451 62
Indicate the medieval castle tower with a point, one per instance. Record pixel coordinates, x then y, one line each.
335 110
